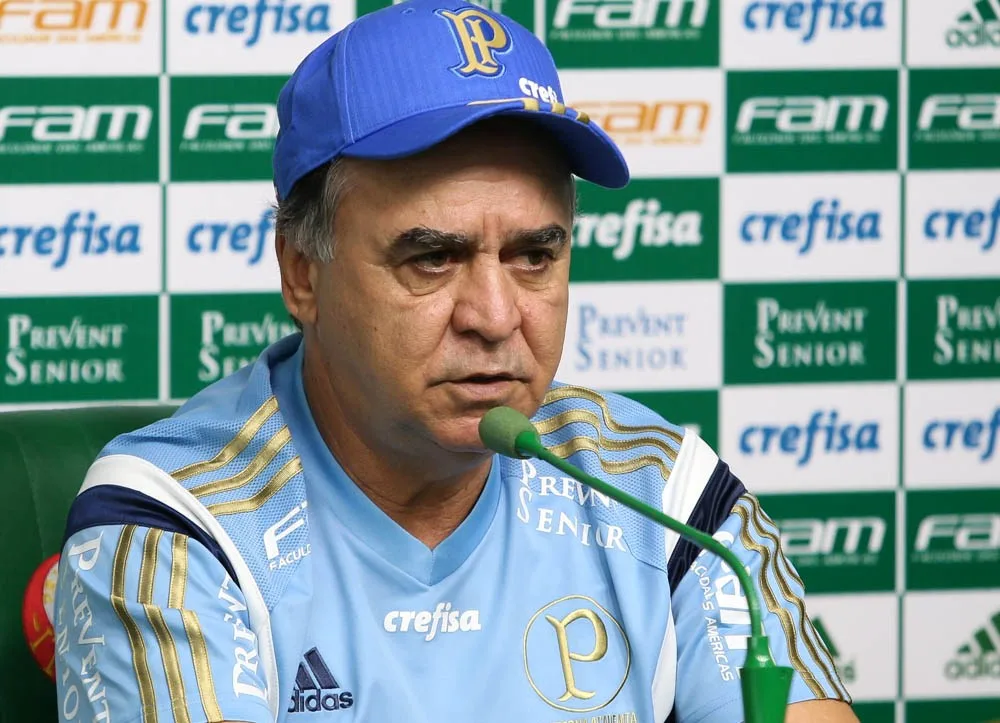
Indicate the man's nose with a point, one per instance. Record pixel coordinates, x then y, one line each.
486 301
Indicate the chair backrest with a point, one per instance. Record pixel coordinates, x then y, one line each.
44 456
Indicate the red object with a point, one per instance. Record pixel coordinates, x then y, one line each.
37 614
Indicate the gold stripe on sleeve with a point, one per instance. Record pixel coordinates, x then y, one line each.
147 699
148 567
238 443
577 444
558 421
263 458
815 647
568 392
784 617
256 501
171 664
178 572
202 666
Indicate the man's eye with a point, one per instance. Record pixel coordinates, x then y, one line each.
432 260
536 257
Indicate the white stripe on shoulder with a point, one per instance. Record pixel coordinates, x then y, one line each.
665 675
142 476
692 470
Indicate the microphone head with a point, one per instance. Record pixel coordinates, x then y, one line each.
499 429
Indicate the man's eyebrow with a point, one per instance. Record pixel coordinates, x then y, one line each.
422 239
553 235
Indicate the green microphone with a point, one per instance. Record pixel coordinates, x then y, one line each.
765 685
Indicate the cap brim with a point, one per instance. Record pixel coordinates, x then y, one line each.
592 155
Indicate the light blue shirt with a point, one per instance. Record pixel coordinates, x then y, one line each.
220 565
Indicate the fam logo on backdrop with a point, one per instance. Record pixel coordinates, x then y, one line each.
812 33
838 544
653 230
812 120
667 122
214 335
223 127
78 349
79 239
812 438
954 118
633 33
810 226
80 37
643 336
79 130
953 539
255 37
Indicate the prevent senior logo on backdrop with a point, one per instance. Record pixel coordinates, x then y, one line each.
212 335
809 332
642 337
953 329
96 348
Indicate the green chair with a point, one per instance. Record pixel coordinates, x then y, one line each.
44 456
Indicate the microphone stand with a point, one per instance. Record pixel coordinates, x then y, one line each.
765 685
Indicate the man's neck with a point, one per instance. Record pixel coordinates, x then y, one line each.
429 498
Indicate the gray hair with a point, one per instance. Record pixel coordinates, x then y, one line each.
305 216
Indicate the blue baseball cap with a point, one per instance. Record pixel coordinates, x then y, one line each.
404 78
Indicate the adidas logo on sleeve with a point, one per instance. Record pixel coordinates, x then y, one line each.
316 688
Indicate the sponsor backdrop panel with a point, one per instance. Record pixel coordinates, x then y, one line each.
805 269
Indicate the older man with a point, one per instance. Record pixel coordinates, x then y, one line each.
322 536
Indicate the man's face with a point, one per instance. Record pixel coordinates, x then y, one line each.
448 291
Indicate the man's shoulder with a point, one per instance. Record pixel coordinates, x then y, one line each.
232 427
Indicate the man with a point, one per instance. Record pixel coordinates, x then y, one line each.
322 536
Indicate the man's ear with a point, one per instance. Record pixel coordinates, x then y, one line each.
297 281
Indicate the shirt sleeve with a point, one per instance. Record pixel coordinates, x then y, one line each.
150 627
712 620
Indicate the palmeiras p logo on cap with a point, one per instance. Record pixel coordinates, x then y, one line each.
404 78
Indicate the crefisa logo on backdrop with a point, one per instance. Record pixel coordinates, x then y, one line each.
255 22
825 221
811 18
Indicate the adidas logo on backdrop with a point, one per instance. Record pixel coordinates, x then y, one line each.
978 658
315 687
979 26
